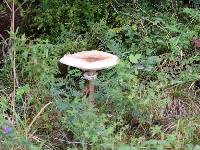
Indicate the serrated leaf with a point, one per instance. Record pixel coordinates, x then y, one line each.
135 59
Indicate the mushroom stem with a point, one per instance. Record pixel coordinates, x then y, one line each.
91 88
90 76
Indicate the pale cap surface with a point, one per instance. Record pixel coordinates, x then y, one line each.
90 60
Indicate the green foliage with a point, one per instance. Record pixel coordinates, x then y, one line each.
13 129
159 64
87 126
78 16
2 9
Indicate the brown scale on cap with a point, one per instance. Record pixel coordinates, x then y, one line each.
93 59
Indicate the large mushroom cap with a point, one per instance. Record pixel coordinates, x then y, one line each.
90 60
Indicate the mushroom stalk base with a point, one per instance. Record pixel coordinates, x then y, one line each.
90 76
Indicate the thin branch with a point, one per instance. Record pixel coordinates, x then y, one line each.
70 142
13 16
123 13
36 138
21 5
13 51
35 118
8 5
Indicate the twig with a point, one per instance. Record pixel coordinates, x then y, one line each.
35 118
8 5
70 142
21 5
40 140
123 13
13 54
191 85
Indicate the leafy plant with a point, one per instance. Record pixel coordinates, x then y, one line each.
148 101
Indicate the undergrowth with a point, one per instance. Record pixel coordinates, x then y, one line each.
150 100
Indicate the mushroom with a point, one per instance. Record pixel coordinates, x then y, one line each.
90 62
